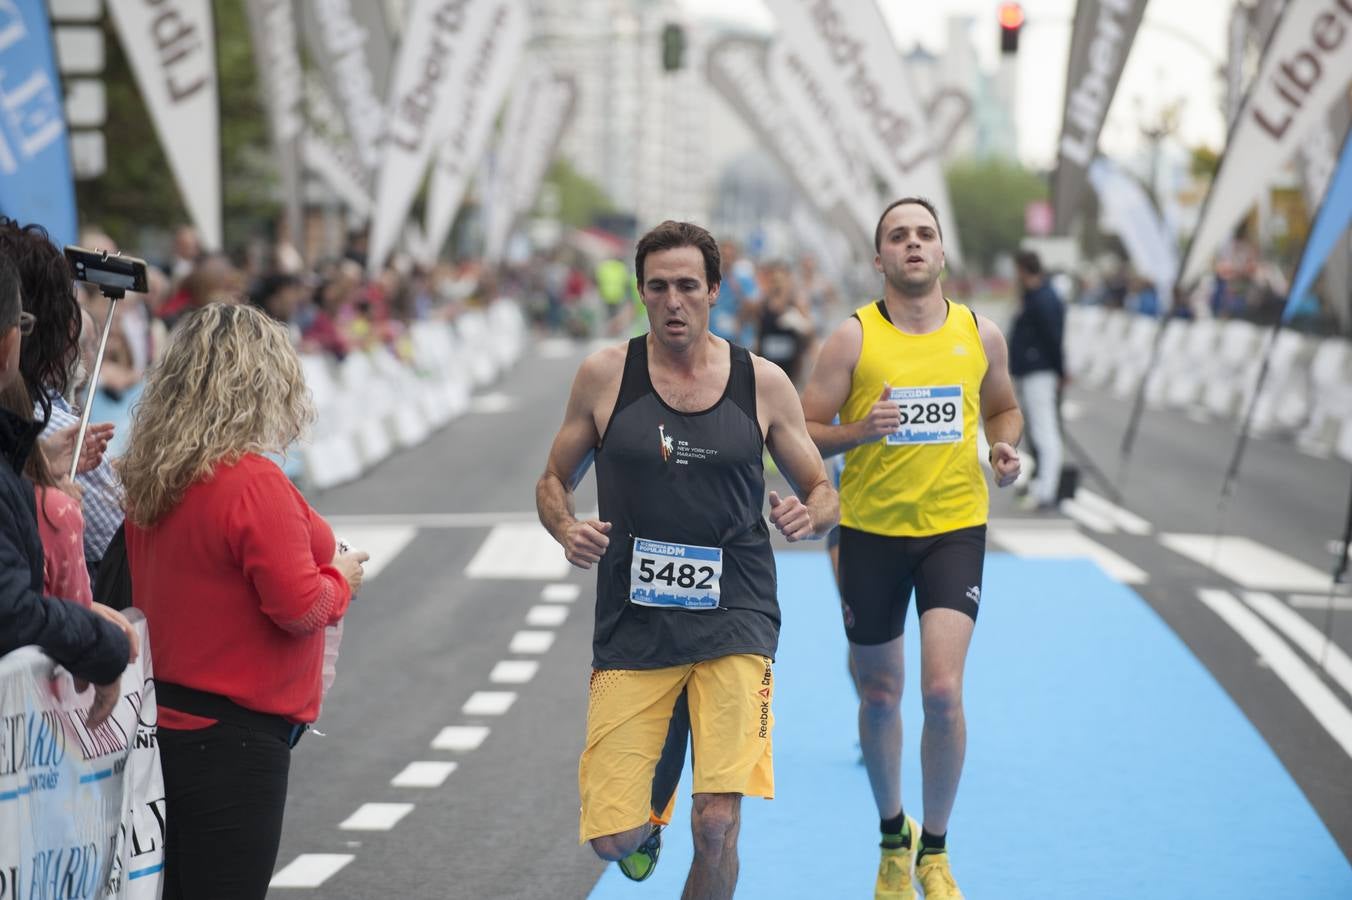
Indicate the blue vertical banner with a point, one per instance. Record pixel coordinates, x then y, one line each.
1335 213
36 180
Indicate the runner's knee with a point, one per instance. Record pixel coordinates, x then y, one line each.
942 697
612 847
880 691
715 820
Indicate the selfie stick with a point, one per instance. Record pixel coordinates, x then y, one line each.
113 294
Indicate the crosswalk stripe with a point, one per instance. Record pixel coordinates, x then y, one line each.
519 550
383 542
310 870
1305 636
1067 543
1320 601
1247 562
1124 519
1089 518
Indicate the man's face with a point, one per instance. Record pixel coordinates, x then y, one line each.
677 296
912 255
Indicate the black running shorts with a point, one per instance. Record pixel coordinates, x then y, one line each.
877 574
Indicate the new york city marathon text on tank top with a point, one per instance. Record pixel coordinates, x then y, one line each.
689 574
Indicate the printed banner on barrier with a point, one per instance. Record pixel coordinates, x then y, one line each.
82 810
1099 44
1305 68
36 181
850 49
485 74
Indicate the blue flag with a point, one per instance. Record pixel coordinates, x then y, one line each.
1335 212
36 183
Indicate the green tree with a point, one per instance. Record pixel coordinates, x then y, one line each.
580 198
989 197
138 190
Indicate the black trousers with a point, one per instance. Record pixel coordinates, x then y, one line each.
225 792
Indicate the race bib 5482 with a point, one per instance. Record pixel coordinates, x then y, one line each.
681 576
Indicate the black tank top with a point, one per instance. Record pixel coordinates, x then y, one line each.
687 478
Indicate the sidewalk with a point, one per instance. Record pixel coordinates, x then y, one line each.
1103 761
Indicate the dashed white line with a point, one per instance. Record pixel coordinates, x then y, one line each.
310 870
546 616
488 703
376 816
514 671
561 593
460 737
531 641
424 774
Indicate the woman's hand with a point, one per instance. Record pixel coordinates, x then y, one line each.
348 563
60 447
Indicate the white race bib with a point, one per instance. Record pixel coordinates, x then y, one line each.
680 576
929 415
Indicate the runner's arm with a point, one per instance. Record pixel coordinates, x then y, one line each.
569 458
796 455
829 387
999 407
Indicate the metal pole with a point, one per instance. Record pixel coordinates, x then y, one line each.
93 386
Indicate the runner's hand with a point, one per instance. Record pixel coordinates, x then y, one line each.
586 542
883 418
791 517
1004 463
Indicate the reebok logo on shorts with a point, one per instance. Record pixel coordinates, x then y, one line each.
764 694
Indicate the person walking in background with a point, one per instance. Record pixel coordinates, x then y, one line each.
238 578
1038 366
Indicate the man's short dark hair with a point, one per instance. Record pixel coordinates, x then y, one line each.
1028 262
670 235
918 201
11 301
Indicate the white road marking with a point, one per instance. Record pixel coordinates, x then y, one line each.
1320 601
310 870
383 542
556 348
1124 519
376 816
531 641
518 551
488 703
514 671
1322 703
1089 518
492 403
1067 543
1305 636
546 616
460 737
1247 562
429 520
424 774
561 593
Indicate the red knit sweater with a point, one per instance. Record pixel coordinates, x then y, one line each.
237 587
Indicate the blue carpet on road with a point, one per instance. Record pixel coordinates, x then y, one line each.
1103 761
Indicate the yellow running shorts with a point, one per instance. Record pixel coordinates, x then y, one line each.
628 713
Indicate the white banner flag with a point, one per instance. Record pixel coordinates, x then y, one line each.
1305 68
82 810
272 27
494 54
850 49
1127 210
171 48
352 44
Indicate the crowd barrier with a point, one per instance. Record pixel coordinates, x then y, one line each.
82 810
1210 368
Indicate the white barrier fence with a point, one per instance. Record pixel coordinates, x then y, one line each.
81 810
373 403
1210 367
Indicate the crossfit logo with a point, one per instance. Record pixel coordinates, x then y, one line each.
764 694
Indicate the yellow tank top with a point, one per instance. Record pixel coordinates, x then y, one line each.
926 479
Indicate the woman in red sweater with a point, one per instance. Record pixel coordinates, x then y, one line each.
237 577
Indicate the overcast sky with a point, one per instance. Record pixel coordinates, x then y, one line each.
1176 55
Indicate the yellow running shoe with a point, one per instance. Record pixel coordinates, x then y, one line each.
936 879
895 868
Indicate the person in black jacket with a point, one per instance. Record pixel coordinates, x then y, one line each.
90 646
1036 362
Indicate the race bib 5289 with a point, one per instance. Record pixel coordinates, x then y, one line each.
929 415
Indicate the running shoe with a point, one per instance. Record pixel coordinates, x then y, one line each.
936 879
894 869
637 866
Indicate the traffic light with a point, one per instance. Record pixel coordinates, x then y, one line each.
673 47
1011 23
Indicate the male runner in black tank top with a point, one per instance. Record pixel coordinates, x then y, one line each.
685 599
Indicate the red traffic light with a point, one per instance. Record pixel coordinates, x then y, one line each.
1011 16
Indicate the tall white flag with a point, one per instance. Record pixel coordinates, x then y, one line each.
423 95
171 48
484 78
849 47
1127 208
1306 67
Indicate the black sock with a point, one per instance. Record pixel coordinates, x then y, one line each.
896 833
932 843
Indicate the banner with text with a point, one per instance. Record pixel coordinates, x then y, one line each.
1306 67
1330 224
272 26
351 42
82 810
851 52
1099 44
1129 213
36 180
171 48
483 76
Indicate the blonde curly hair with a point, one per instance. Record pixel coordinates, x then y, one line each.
229 384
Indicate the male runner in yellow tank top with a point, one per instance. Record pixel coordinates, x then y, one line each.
910 377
